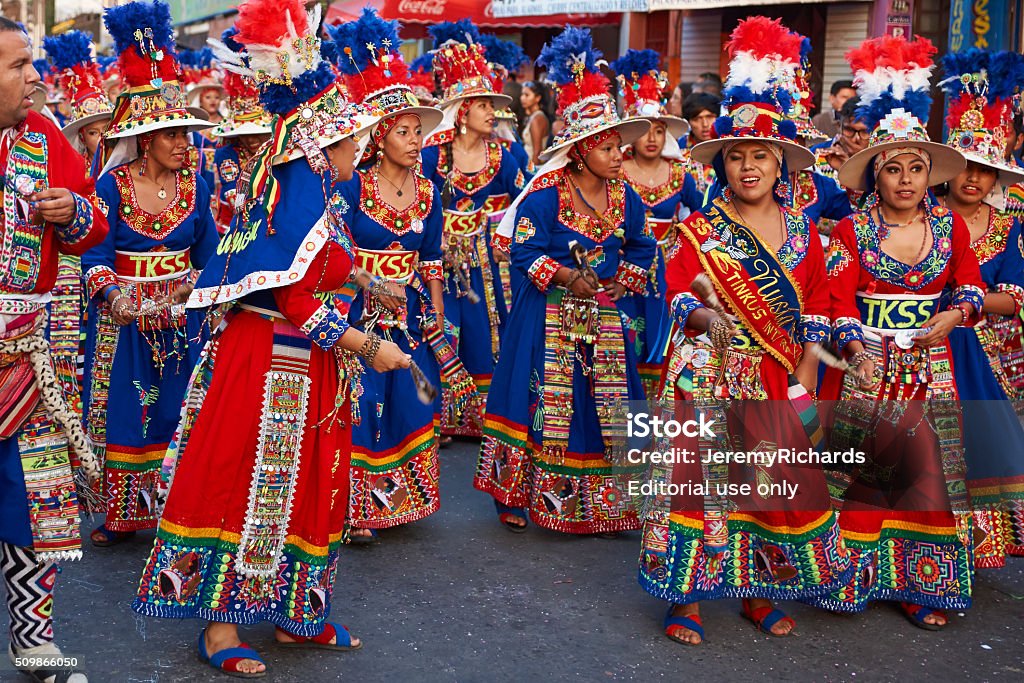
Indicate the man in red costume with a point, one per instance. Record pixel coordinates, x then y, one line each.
46 209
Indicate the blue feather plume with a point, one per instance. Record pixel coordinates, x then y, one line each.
503 52
123 21
424 63
369 28
461 31
805 50
196 59
42 66
637 62
558 55
1005 74
228 38
280 99
916 102
66 50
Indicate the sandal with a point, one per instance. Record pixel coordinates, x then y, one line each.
363 539
49 650
102 537
765 617
508 516
688 621
226 660
337 632
916 614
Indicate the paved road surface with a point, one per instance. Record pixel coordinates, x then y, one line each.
458 598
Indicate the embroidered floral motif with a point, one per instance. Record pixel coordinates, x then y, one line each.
597 229
806 192
798 228
470 183
398 222
324 328
80 225
99 278
888 269
994 241
159 226
632 277
673 185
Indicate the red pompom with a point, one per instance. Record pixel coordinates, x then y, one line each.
264 22
763 37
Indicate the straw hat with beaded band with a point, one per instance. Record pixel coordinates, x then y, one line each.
892 80
981 87
464 70
764 58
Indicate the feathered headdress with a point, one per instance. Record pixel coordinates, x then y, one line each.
200 71
892 75
981 87
282 55
764 58
70 54
504 56
144 42
246 116
643 86
376 75
460 61
573 69
421 78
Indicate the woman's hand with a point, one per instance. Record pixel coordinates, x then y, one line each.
616 292
396 299
582 287
121 308
866 374
807 375
942 324
500 256
390 357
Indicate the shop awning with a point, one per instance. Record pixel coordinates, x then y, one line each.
482 14
512 8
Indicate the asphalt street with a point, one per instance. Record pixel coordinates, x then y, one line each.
456 597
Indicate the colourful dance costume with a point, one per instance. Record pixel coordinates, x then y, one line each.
259 491
553 430
904 515
137 374
646 315
697 545
475 302
979 123
395 466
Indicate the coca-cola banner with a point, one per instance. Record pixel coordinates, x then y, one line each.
482 12
654 5
514 8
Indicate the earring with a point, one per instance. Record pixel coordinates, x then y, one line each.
142 166
462 129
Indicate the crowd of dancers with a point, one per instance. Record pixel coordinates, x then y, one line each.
249 292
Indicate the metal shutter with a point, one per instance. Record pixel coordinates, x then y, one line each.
847 26
701 44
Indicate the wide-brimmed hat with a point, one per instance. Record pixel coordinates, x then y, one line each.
246 115
376 75
892 79
764 58
70 53
200 71
980 87
802 97
154 99
584 102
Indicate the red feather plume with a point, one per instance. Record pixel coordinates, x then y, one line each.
996 115
372 79
263 21
592 83
237 87
648 90
890 51
763 37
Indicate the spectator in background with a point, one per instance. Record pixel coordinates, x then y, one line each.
700 110
708 83
674 107
828 121
852 137
514 89
536 124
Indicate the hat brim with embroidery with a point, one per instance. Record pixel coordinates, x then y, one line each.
946 162
764 57
629 132
231 129
71 129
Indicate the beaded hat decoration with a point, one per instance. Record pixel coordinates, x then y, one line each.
892 75
376 75
764 56
505 57
802 97
246 116
459 60
153 98
643 85
584 102
982 88
282 56
70 54
200 71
